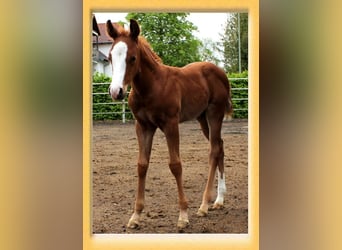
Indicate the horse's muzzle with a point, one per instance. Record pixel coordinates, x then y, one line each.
119 96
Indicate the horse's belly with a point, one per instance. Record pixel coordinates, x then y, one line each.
190 111
194 101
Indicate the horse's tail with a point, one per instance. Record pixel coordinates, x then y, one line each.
229 104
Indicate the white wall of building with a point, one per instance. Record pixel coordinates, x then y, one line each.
100 66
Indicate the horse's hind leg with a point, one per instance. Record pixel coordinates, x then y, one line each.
202 119
205 129
145 137
216 159
221 186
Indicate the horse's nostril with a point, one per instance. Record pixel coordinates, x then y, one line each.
120 95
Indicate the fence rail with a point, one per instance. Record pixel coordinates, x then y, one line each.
124 103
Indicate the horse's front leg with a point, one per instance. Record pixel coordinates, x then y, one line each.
145 138
171 131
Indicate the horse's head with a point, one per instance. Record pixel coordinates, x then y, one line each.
124 57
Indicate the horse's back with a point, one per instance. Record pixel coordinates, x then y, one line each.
207 71
205 84
212 76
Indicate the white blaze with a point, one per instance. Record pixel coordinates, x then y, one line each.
119 54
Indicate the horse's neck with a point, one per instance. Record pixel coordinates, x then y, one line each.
145 81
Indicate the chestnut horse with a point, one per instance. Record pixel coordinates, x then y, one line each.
162 97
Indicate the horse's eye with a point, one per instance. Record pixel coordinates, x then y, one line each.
132 59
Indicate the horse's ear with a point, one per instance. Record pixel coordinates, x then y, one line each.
111 31
134 29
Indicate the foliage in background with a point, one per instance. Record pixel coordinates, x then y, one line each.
230 43
239 96
209 51
100 78
243 74
170 35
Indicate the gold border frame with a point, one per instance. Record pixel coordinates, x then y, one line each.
176 241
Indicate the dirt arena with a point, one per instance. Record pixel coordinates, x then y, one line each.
114 160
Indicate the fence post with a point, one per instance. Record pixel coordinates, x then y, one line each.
123 111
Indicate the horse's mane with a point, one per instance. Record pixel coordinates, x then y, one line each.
147 49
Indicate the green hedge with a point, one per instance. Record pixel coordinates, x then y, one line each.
105 98
238 94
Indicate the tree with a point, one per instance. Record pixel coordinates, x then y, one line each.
170 36
230 41
210 51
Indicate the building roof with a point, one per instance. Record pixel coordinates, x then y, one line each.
99 30
103 37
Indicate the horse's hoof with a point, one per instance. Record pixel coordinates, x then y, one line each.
202 213
182 224
133 224
217 206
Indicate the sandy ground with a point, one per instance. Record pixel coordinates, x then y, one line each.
115 151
